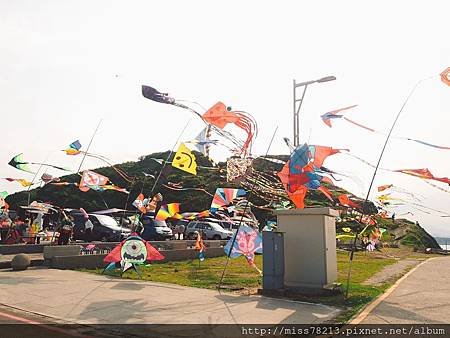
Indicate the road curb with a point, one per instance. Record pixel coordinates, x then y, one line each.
359 317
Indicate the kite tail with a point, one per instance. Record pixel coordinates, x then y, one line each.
426 143
217 130
359 125
248 124
187 189
121 173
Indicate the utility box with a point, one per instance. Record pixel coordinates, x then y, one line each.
273 260
309 247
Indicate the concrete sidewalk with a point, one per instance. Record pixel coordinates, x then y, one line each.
89 299
423 297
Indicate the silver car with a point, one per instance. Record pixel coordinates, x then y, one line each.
209 230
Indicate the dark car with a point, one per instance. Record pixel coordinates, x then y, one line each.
105 229
155 230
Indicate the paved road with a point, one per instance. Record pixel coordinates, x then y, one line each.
88 299
423 297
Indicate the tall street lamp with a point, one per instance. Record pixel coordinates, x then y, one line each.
300 101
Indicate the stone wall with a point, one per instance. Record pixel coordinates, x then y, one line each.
96 261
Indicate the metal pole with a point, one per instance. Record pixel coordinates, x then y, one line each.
293 114
297 110
298 115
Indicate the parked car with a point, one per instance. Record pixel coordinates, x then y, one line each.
210 230
155 230
223 223
106 229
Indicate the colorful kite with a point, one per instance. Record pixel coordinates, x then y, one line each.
3 195
217 117
248 242
423 173
184 160
171 210
203 142
74 149
445 76
139 203
346 201
154 95
23 182
92 180
384 187
238 167
326 118
19 163
64 183
189 215
304 171
130 253
152 204
46 178
112 187
200 247
225 197
144 205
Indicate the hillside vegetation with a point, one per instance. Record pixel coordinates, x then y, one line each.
401 231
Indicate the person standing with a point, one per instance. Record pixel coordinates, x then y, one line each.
180 229
65 232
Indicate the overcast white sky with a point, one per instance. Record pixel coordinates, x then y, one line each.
64 65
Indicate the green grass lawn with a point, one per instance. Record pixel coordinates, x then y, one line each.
241 276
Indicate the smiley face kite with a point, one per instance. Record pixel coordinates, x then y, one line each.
185 160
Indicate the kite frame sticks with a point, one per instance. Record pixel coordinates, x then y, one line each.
372 180
242 217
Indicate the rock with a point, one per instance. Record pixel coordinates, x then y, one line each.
20 262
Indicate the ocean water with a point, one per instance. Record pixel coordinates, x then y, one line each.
445 247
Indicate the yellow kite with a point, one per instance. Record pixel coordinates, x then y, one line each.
185 160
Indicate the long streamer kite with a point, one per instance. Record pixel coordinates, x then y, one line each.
333 115
75 149
388 136
23 182
217 117
19 163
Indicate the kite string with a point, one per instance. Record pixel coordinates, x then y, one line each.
373 179
242 217
34 177
89 145
168 157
